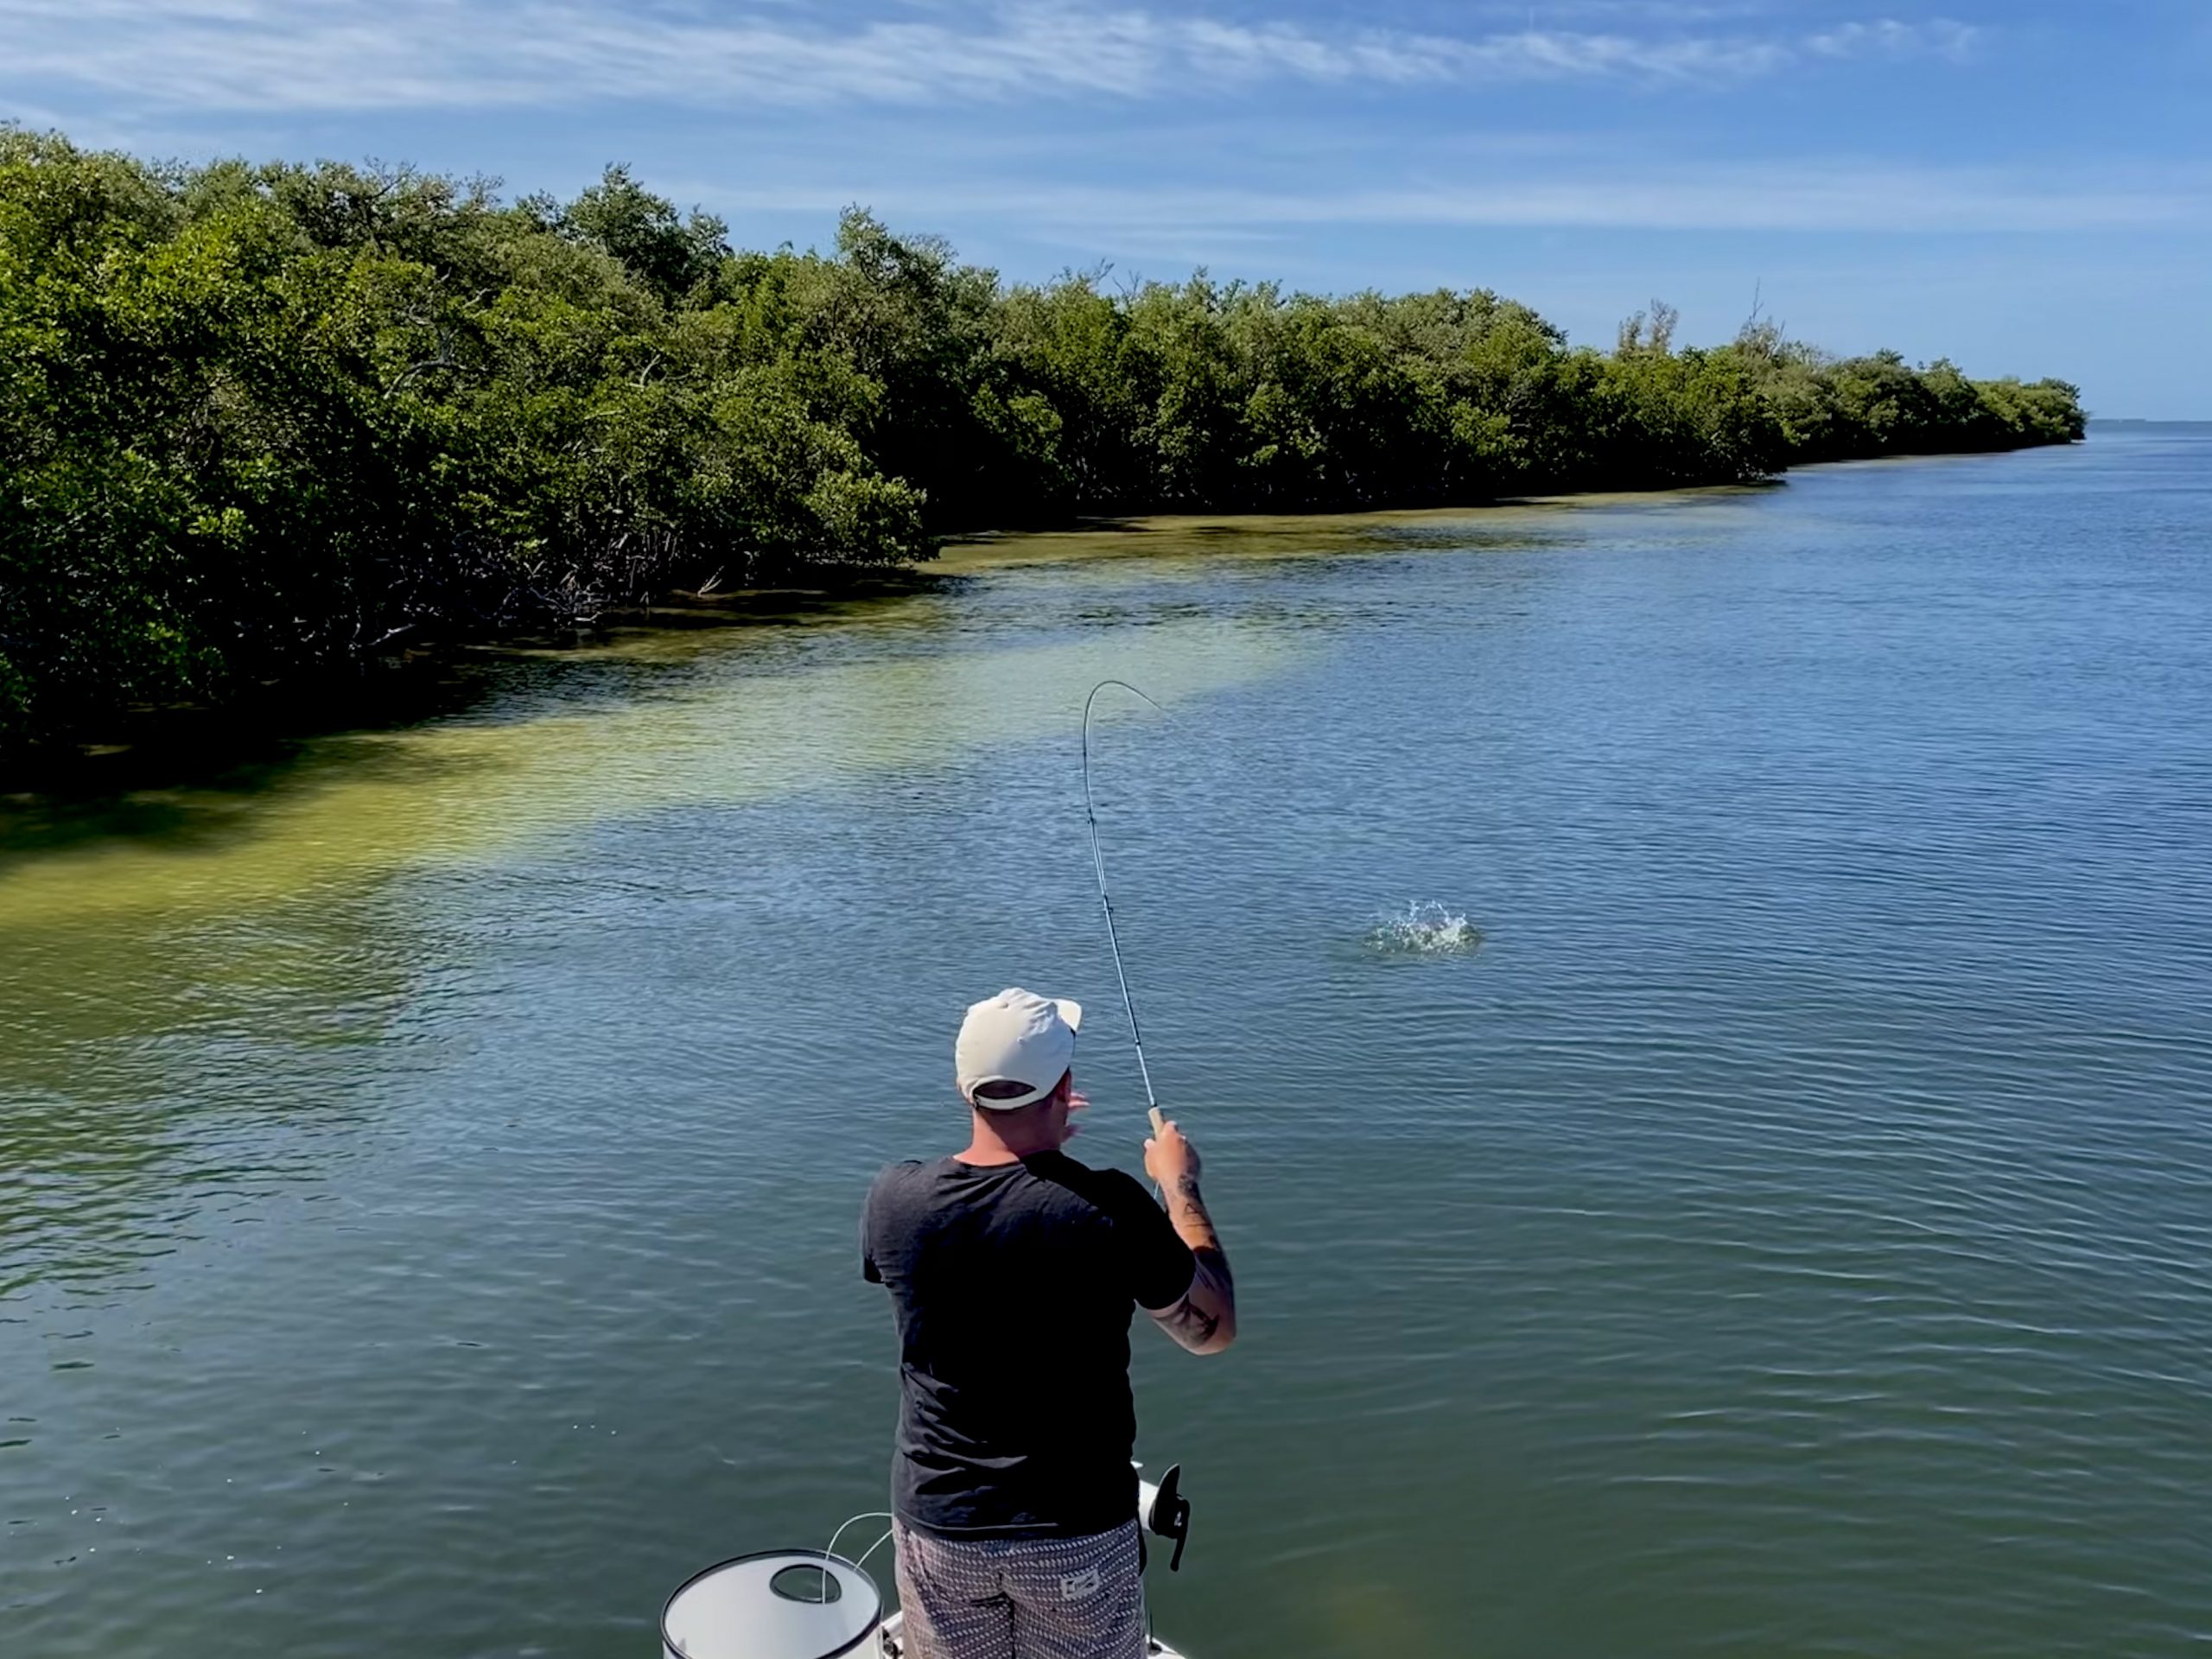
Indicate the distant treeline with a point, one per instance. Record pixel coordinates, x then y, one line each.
257 421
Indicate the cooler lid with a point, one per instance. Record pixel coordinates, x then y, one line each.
781 1603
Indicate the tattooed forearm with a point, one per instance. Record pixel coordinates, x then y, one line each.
1205 1321
1189 1325
1187 1211
1212 1276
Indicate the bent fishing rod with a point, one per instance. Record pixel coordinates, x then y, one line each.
1106 903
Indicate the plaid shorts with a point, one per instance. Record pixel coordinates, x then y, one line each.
1022 1597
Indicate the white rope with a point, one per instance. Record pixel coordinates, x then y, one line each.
865 1515
873 1547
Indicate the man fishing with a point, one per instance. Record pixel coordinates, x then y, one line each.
1013 1271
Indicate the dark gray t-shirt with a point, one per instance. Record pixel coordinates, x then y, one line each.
1014 1287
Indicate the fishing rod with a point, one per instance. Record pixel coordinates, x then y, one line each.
1106 903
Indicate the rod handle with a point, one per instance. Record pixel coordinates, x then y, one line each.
1158 1120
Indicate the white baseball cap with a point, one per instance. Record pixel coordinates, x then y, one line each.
1016 1037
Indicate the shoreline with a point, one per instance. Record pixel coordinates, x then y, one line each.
152 746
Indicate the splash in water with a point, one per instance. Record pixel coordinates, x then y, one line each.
1424 929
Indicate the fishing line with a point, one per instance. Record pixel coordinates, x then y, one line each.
1106 903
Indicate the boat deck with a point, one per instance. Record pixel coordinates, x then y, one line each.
893 1647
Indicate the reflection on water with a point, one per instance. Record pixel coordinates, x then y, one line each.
1191 547
368 804
429 1157
146 1079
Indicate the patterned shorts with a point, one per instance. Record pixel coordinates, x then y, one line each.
1022 1597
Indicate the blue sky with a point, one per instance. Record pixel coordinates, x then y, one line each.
2025 187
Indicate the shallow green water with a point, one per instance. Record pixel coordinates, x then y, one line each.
427 1167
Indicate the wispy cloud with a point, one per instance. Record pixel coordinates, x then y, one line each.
1889 38
1797 197
269 55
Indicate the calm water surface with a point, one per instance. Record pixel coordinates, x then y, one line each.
428 1165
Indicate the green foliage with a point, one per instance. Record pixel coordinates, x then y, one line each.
641 231
255 422
1854 408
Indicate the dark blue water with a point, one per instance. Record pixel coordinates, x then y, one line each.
428 1168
